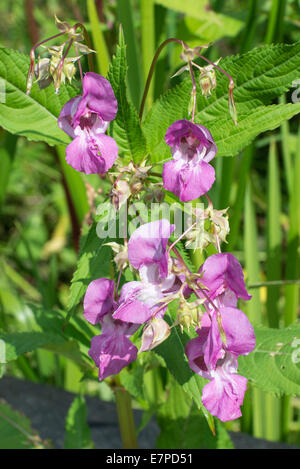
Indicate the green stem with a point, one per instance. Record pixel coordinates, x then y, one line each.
102 56
292 271
274 236
276 21
250 27
151 72
287 157
125 417
254 306
126 18
148 41
273 268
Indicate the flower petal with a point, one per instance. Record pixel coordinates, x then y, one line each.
148 245
223 271
224 395
239 331
111 353
66 115
98 299
83 153
188 181
98 97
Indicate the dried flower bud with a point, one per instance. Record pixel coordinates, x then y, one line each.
207 79
155 332
121 257
120 193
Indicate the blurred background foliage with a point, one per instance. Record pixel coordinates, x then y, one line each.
43 202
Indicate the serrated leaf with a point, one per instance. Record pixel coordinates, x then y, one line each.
230 139
274 365
18 343
172 351
260 76
34 116
183 426
94 262
78 434
126 127
16 431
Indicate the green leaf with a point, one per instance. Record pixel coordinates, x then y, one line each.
274 365
126 127
260 76
16 431
202 24
34 116
94 262
18 343
78 434
183 426
231 140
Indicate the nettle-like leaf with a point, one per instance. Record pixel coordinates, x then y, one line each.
260 76
183 426
126 128
274 365
18 343
94 262
16 431
34 116
78 433
172 351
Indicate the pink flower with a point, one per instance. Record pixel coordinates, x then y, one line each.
147 252
210 358
147 249
112 350
86 118
98 300
223 275
189 175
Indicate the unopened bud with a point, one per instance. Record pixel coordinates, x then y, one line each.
208 82
232 108
155 332
121 257
120 193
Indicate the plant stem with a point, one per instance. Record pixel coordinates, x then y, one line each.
103 58
151 72
148 40
254 306
125 417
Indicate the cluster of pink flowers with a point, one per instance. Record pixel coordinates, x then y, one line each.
223 331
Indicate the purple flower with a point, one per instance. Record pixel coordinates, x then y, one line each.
86 118
223 276
189 175
147 250
98 300
141 301
112 350
210 358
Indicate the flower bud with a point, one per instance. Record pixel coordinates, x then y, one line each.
207 80
155 332
121 257
120 193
